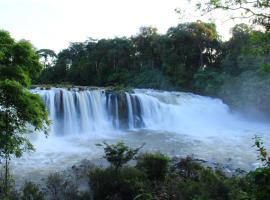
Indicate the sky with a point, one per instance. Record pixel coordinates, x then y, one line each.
53 24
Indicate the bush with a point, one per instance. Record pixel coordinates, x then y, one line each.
209 186
31 191
187 168
58 188
118 154
260 183
125 184
155 165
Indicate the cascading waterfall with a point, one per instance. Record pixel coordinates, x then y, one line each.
175 123
130 111
74 111
91 111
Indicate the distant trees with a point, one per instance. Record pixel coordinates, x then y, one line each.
190 56
147 59
192 46
48 57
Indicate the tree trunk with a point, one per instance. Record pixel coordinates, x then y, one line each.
201 57
6 167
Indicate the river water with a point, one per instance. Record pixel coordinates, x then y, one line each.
175 123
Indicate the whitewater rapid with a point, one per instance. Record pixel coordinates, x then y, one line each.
175 123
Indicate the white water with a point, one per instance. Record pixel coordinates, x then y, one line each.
175 123
130 112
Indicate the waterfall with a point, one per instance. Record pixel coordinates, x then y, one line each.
175 123
116 121
74 112
130 111
92 111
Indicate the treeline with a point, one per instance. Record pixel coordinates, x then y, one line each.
190 56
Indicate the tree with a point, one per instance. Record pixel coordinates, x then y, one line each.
233 48
48 56
118 154
258 11
146 50
20 110
191 46
20 54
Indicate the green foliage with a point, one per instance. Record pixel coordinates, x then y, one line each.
59 188
25 56
151 79
118 154
148 59
265 68
19 54
250 62
48 56
198 182
7 183
209 186
187 168
153 178
208 81
19 109
263 155
16 74
6 47
154 165
31 191
260 183
126 184
248 92
256 11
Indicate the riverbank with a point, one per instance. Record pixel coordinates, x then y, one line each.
147 177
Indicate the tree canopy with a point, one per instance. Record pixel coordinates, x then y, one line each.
20 110
258 11
147 59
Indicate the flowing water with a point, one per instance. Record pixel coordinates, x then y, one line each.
174 123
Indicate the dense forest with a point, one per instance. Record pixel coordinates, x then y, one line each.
189 57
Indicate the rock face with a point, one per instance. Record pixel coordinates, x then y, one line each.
249 93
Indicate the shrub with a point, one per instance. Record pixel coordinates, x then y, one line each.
260 183
31 191
263 155
155 165
239 188
187 168
125 184
118 154
209 186
59 188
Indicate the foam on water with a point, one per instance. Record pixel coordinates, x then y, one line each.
175 123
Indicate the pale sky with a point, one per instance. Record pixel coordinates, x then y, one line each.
54 24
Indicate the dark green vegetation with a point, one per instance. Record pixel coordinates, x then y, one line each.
153 176
145 60
189 57
19 109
